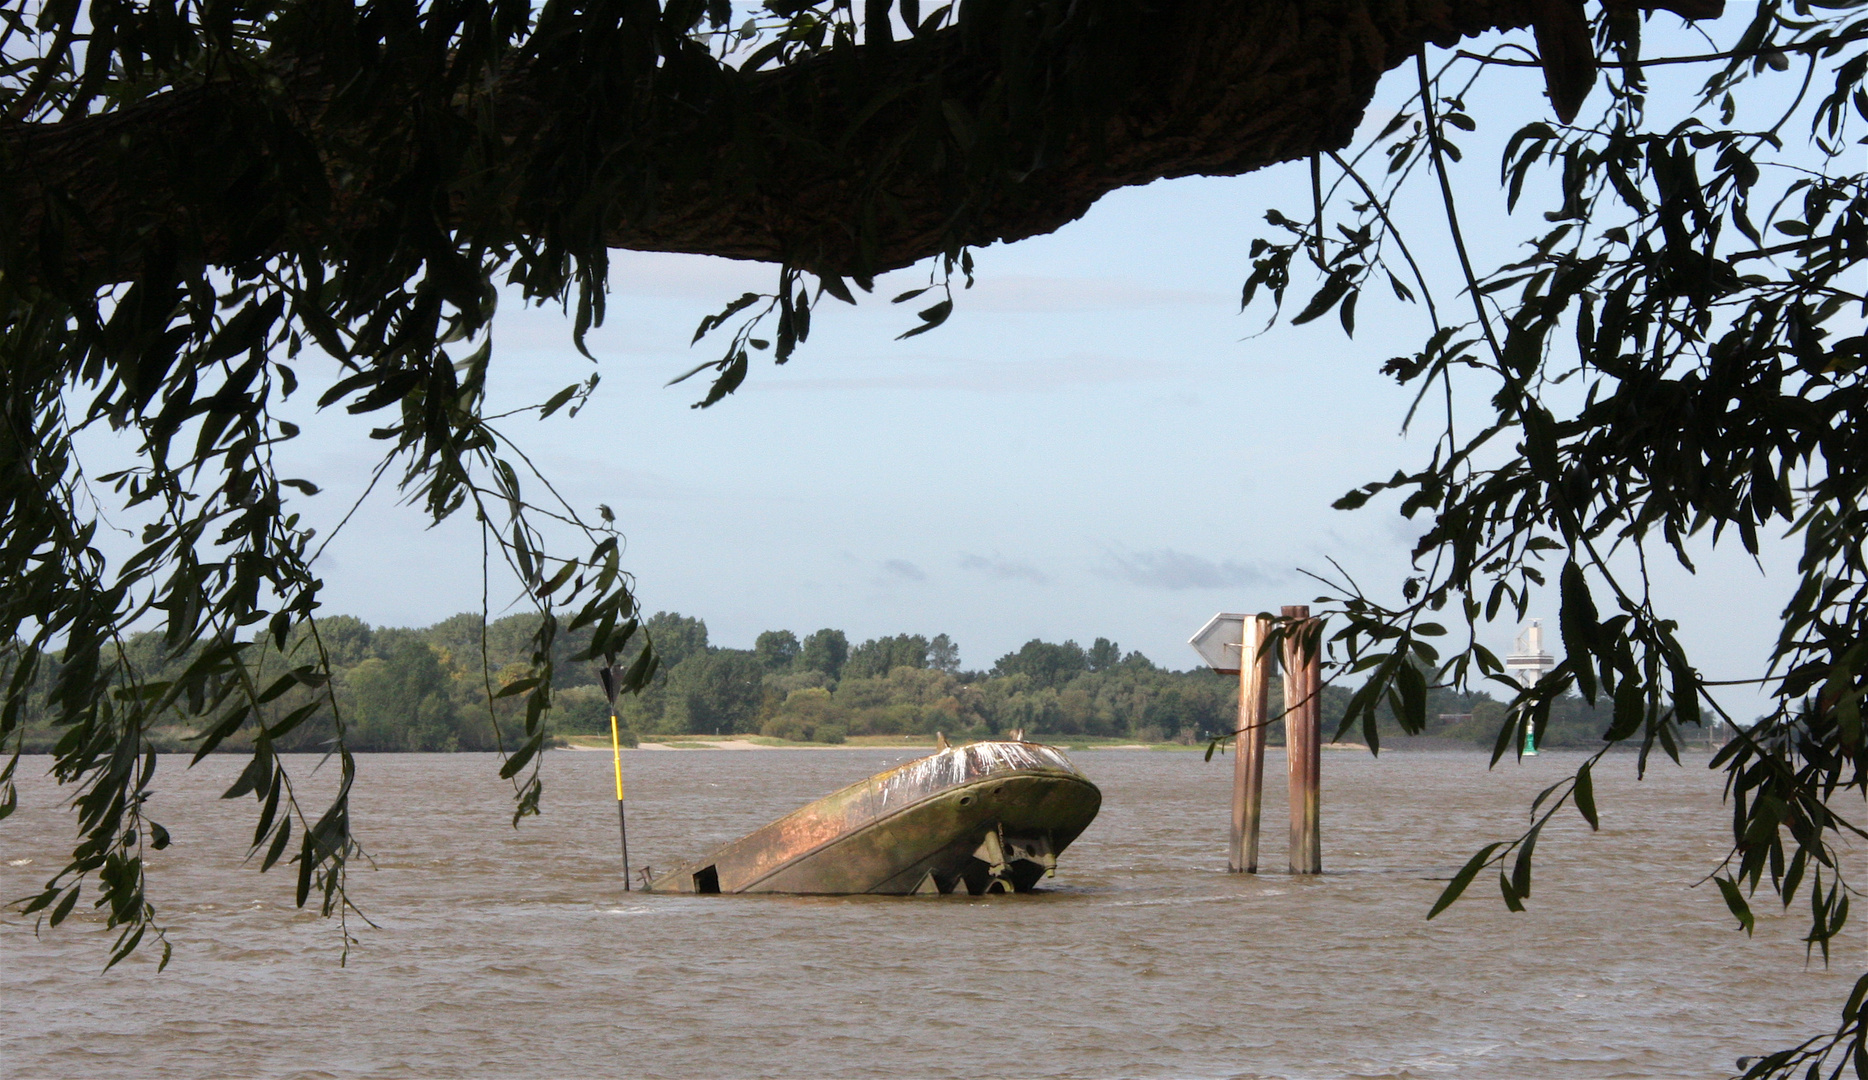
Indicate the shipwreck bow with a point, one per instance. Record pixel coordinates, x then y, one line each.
985 817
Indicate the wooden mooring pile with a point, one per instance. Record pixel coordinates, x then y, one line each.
1301 658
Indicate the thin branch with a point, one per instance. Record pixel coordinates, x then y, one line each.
1381 211
1813 45
1452 214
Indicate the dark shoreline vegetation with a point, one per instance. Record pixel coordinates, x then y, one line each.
427 689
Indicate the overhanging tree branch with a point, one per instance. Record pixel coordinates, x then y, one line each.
864 160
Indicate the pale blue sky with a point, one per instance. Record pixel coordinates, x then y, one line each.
1095 445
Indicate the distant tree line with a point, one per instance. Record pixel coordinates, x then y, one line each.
429 689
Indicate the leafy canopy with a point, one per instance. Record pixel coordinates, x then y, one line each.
1675 361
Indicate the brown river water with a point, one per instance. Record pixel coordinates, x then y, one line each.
516 953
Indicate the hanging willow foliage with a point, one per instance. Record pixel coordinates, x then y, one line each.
1676 362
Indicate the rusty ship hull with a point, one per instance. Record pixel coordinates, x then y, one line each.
984 817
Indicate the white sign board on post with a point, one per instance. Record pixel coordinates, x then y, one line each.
1218 642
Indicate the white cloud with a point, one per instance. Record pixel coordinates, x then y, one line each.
903 570
1007 569
1028 293
710 279
1001 376
706 278
1177 570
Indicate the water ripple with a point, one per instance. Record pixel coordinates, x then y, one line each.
515 953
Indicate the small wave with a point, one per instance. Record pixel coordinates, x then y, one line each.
1176 901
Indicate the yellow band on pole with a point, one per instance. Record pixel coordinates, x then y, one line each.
616 751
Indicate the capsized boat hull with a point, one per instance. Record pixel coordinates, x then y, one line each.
984 817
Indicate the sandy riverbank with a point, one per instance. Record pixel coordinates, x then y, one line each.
595 742
598 742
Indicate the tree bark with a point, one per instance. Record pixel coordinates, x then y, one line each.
1235 86
1224 87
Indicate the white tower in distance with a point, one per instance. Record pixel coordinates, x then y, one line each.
1528 660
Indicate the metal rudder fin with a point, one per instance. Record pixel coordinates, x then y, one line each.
1035 850
991 851
987 870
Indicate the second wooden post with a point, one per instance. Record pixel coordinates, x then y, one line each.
1248 763
1303 744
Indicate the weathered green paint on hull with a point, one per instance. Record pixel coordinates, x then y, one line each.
985 817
